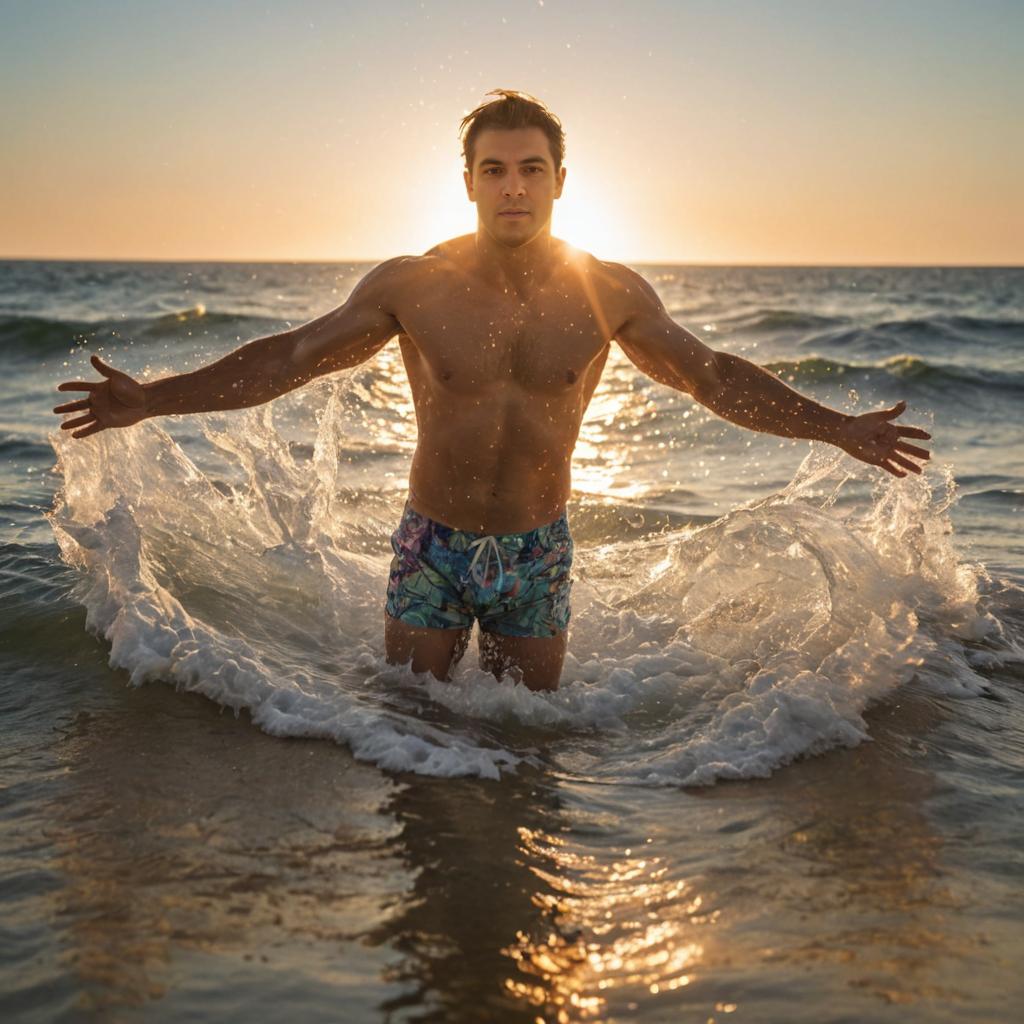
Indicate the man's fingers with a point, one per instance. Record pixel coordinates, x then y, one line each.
921 435
80 422
107 371
897 410
86 431
888 467
82 403
912 449
78 385
905 463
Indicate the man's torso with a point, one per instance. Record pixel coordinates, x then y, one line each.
500 383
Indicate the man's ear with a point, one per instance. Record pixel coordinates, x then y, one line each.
468 179
560 182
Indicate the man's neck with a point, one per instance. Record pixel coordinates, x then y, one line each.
520 269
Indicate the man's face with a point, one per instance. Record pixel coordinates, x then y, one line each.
514 184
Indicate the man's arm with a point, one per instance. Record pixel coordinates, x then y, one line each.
745 394
257 372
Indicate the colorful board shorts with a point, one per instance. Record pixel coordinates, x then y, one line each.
516 584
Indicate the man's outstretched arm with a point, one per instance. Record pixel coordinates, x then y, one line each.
257 372
750 396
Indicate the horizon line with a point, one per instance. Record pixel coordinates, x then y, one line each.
635 262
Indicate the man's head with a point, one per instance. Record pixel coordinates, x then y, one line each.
513 147
509 112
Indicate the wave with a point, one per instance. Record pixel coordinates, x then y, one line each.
696 654
14 447
41 336
932 330
1008 497
34 594
986 341
773 320
990 337
906 368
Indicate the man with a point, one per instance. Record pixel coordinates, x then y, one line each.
504 335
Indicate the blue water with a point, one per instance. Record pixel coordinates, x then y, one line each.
782 777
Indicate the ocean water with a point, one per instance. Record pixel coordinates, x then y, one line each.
781 779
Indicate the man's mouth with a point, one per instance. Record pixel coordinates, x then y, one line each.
513 213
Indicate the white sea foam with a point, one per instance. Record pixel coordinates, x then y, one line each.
695 655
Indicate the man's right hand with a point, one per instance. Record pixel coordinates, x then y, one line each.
117 401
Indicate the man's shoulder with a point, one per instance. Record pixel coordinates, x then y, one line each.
614 282
620 277
453 249
407 271
603 273
402 272
624 294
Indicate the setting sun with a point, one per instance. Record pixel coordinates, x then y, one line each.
586 216
589 219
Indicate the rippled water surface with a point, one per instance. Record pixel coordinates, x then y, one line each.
782 776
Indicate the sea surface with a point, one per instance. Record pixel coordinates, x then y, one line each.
782 778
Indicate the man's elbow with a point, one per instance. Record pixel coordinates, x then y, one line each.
712 377
311 353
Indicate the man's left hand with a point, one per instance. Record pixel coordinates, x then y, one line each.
872 438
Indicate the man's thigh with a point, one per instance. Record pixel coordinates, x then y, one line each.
431 650
534 661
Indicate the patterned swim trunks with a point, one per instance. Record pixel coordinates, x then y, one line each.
516 584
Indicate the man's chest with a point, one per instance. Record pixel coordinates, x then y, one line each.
544 344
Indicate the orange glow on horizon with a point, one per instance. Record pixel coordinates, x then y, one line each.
280 138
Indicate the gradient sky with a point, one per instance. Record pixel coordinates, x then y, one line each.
825 131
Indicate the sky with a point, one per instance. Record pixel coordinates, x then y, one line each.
697 131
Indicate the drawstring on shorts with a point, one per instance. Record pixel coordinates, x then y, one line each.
490 545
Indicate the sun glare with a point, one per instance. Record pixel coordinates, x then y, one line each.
589 221
447 213
583 218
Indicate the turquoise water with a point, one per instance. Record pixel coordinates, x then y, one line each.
782 777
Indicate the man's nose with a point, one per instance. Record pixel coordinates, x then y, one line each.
515 185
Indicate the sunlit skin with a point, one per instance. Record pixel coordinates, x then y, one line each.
504 335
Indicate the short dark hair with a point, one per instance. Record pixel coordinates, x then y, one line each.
511 110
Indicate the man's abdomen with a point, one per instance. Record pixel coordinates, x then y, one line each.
510 478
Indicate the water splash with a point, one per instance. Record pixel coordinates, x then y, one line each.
696 654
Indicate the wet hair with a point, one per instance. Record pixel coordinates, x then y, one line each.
510 111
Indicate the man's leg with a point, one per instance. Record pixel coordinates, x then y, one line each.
534 661
431 650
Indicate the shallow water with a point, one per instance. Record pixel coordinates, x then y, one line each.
781 778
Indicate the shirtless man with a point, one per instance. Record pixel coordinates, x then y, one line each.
504 335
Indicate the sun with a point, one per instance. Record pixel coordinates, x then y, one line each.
586 216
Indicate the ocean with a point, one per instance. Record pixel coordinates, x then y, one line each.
781 780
